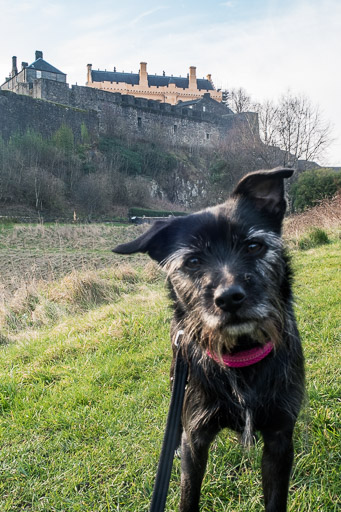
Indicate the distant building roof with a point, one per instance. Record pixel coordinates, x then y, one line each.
204 100
113 76
188 103
41 65
153 80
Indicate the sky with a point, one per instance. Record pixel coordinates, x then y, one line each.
266 47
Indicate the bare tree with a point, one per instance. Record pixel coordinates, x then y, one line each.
290 129
240 101
233 156
267 116
295 127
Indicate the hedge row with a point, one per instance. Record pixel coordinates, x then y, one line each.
145 212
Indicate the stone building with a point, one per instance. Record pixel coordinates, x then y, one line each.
194 114
22 82
163 88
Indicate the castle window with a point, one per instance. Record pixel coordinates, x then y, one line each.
38 74
139 122
207 136
204 109
175 128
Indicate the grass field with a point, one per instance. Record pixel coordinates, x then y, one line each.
84 387
30 253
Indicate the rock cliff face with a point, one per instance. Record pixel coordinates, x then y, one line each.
186 192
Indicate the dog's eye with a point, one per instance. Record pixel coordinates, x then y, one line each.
254 247
193 263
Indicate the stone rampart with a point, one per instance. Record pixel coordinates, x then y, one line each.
48 104
19 113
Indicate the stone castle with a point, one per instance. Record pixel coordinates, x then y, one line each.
187 111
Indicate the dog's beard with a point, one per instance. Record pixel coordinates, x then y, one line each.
221 338
214 322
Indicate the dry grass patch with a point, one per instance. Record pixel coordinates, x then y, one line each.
41 303
35 253
125 272
326 215
83 289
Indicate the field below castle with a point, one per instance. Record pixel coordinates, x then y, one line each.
84 365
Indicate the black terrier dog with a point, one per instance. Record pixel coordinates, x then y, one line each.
230 281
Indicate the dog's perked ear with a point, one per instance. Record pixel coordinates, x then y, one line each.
156 242
265 189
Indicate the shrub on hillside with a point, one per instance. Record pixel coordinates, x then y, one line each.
123 157
138 191
157 161
137 158
313 186
94 193
42 190
64 139
314 238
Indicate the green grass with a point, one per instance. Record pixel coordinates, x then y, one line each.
83 406
313 238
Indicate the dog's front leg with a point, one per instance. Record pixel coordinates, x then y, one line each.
193 465
277 462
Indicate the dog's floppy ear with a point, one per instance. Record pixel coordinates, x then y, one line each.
155 241
265 189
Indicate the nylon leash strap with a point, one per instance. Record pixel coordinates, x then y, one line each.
172 433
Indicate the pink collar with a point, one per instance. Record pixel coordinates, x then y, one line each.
245 357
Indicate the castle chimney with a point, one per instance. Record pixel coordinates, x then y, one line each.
209 77
24 65
143 80
39 54
89 77
14 66
192 83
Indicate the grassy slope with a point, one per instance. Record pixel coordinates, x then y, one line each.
83 406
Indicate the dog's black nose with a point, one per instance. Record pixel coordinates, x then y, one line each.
230 299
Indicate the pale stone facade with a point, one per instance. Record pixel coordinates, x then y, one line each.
22 82
166 89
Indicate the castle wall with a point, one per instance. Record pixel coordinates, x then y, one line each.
53 103
146 117
143 117
19 113
52 90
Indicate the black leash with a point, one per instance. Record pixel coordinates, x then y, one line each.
172 432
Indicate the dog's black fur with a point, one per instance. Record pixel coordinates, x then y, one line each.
230 281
